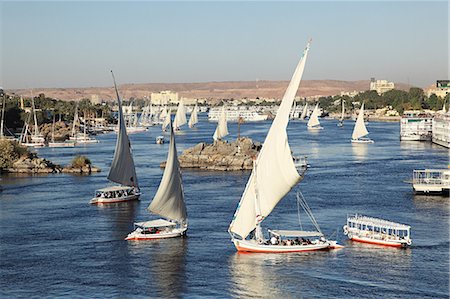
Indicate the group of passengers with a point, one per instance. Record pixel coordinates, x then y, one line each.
115 194
275 240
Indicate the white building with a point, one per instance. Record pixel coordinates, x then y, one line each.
442 89
164 97
381 86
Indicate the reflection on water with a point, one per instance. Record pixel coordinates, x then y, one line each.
360 151
166 262
252 277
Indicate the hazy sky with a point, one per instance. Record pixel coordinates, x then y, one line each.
75 44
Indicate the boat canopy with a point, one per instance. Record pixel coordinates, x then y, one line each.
115 188
296 233
376 222
155 223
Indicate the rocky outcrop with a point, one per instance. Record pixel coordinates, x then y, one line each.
221 155
31 164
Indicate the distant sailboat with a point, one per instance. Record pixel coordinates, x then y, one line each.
193 120
54 143
304 112
166 121
359 131
313 122
122 169
168 203
274 175
37 137
292 115
222 128
180 117
341 120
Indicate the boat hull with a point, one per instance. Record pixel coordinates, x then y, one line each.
362 141
101 200
61 144
378 242
249 246
315 128
138 236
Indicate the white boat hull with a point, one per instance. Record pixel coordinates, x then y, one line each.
362 141
103 200
61 144
139 236
391 243
252 246
30 144
315 128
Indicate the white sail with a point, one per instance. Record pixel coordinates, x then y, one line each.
305 110
163 114
194 119
166 120
180 117
343 110
169 199
360 128
222 128
122 169
314 118
75 121
276 173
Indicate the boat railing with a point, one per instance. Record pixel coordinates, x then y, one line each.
431 177
301 163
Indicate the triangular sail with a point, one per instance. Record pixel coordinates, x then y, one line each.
122 169
276 172
169 199
343 110
222 128
180 117
305 110
314 118
360 128
194 119
166 120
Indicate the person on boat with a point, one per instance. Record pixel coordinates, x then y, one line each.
274 240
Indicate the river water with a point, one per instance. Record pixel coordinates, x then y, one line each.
54 244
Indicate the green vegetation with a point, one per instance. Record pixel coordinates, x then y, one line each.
400 100
80 161
10 152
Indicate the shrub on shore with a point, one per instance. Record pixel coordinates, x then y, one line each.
80 161
10 152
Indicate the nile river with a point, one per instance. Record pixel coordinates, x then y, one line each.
54 244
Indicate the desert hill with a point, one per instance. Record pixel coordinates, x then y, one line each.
208 90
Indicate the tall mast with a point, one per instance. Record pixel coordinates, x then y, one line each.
3 117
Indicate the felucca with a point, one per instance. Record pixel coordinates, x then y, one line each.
193 120
304 112
222 128
180 117
54 143
122 169
274 174
168 203
313 122
359 131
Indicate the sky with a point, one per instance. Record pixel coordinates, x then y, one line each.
75 44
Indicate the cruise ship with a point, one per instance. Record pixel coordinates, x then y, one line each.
441 129
248 114
416 126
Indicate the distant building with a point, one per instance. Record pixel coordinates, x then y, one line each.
442 89
381 86
164 97
95 99
351 94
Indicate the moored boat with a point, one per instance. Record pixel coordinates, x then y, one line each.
160 139
313 122
115 194
377 231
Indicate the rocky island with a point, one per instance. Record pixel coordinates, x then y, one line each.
15 158
221 155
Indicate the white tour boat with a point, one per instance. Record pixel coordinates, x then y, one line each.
359 131
313 122
377 231
431 181
168 203
274 174
122 169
